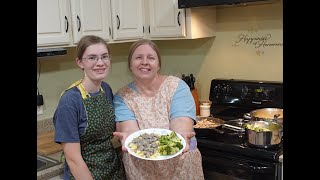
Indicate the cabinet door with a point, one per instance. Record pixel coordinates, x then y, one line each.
166 20
91 18
53 23
127 19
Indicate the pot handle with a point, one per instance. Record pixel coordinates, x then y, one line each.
276 116
218 130
247 116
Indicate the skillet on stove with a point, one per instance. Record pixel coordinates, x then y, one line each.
206 126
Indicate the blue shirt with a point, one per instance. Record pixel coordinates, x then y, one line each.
70 119
182 104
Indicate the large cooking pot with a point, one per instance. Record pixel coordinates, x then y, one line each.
263 134
266 114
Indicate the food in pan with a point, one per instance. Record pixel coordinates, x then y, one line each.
262 126
256 128
207 123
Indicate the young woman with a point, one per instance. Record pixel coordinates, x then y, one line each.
84 119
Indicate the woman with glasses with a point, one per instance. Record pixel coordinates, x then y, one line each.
84 119
154 100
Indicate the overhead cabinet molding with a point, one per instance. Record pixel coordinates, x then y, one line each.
62 23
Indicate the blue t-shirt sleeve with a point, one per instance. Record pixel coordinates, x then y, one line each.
122 112
183 103
65 118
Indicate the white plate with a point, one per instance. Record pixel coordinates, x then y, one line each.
156 131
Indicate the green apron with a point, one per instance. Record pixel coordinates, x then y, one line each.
102 159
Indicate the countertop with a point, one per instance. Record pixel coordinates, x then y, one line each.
52 171
44 127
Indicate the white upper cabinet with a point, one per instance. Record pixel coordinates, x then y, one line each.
91 18
64 22
127 19
165 19
53 23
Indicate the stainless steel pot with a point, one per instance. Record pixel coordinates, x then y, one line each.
263 134
266 114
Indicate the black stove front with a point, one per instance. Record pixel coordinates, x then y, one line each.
226 155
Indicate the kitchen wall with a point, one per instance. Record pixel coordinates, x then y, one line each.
248 45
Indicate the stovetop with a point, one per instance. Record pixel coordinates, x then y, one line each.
231 99
235 144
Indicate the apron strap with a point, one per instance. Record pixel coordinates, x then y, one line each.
79 85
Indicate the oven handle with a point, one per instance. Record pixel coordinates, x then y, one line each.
255 168
243 164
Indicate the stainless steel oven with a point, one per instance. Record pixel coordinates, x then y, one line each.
226 156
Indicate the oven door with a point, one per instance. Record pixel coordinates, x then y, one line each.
227 166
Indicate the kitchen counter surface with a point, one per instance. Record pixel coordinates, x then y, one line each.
45 127
52 171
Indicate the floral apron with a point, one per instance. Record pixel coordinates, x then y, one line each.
103 161
153 112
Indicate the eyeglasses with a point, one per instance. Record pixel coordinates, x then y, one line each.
104 58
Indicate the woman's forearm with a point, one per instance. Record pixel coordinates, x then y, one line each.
77 166
182 124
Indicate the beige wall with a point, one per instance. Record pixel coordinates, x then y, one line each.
219 57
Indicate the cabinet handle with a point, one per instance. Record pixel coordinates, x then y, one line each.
178 18
118 22
142 29
65 17
110 32
79 23
149 29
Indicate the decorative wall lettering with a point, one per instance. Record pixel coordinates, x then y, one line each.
258 41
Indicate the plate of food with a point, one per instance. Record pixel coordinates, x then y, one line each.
155 144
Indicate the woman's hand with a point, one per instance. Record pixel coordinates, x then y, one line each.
124 129
187 136
122 136
183 126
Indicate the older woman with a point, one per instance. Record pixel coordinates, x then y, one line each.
153 100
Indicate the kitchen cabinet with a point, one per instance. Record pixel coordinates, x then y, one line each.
167 21
63 22
91 18
127 19
53 23
156 20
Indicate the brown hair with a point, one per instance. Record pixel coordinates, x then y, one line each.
86 41
140 42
